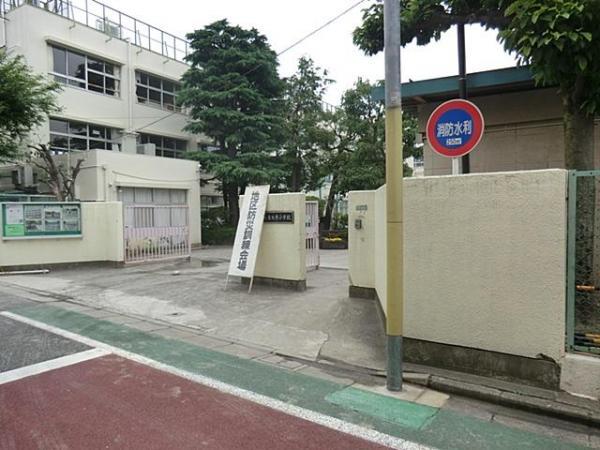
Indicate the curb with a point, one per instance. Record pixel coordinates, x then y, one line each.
583 414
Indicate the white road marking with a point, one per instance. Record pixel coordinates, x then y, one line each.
46 366
292 410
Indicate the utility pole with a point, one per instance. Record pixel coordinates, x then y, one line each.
394 201
462 82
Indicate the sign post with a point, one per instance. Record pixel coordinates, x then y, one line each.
247 235
394 197
454 129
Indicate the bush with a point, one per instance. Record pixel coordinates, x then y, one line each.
340 221
215 229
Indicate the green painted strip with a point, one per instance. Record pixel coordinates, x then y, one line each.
445 430
391 409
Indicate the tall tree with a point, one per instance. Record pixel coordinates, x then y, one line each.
560 41
306 124
356 160
26 99
233 94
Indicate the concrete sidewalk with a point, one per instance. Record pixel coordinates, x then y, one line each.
419 415
321 323
319 332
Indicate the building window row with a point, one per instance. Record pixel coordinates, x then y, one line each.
66 135
165 146
95 74
156 91
85 72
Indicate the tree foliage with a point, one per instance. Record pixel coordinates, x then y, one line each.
426 20
306 125
560 41
233 94
26 99
356 161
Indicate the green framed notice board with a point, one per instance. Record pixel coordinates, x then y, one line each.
38 220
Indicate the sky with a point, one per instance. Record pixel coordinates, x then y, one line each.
286 21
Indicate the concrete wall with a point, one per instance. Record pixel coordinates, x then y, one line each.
31 29
104 172
524 131
282 251
102 240
484 259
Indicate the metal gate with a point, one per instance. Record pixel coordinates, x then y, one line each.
153 232
312 235
583 262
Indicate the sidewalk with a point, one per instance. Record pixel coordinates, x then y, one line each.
319 333
420 415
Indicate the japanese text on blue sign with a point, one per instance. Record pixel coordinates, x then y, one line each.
454 128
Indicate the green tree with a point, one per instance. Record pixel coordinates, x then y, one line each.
306 125
26 100
560 41
425 20
234 96
356 160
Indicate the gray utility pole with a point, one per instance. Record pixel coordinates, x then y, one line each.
462 82
394 201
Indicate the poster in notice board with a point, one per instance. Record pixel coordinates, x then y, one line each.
32 220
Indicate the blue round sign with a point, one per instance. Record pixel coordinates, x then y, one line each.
455 128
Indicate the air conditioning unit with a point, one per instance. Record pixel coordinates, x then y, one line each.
111 28
22 177
146 149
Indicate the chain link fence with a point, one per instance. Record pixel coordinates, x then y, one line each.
583 262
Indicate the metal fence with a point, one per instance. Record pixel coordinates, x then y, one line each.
583 262
156 232
112 22
312 235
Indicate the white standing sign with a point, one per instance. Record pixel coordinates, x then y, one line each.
247 236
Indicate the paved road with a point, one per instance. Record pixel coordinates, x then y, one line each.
82 382
110 402
60 393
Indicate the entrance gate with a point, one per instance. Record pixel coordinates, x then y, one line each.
153 232
583 262
312 235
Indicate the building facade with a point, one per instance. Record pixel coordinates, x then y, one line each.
523 122
119 79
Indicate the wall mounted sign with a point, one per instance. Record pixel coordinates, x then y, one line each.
279 217
455 128
38 220
247 235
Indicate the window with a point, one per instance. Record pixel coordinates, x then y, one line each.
66 136
165 146
85 72
156 91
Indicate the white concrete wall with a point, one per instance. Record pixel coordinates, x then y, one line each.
361 242
102 240
485 259
282 251
104 172
31 29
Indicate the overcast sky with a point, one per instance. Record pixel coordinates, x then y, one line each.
286 21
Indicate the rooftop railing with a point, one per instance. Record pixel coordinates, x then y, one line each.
112 22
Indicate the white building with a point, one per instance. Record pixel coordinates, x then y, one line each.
119 78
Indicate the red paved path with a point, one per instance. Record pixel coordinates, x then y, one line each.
111 402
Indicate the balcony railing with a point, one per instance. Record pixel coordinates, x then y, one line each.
112 22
